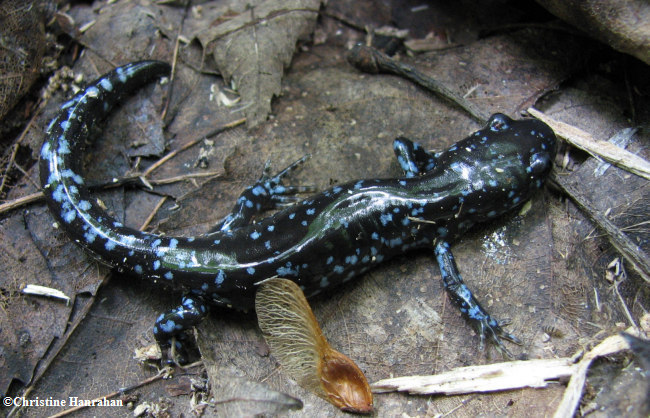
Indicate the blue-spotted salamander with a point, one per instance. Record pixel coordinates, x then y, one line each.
319 242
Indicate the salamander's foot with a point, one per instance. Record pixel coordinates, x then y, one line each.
176 351
413 159
169 329
485 326
489 329
266 194
278 194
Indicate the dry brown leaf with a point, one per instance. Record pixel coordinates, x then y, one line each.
623 25
253 48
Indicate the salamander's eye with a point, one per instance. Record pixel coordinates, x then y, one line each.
540 163
499 122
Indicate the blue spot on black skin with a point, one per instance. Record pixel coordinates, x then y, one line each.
168 326
90 236
106 84
220 278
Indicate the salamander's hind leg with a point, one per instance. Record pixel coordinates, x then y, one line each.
267 193
486 327
170 327
413 159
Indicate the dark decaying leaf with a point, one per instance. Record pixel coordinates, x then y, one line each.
253 49
31 326
235 393
22 46
623 25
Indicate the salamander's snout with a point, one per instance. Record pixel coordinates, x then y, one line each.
540 163
543 148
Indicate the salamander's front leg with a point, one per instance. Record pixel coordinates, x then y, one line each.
413 159
267 193
173 324
486 327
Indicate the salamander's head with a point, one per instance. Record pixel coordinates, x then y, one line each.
531 138
502 164
525 150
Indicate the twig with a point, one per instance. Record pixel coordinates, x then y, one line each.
190 176
151 379
623 276
599 149
172 74
628 249
26 175
537 373
573 392
173 153
155 210
21 201
38 196
12 158
372 61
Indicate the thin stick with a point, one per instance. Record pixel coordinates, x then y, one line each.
21 201
599 149
628 249
173 153
151 379
155 210
38 196
372 61
12 158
